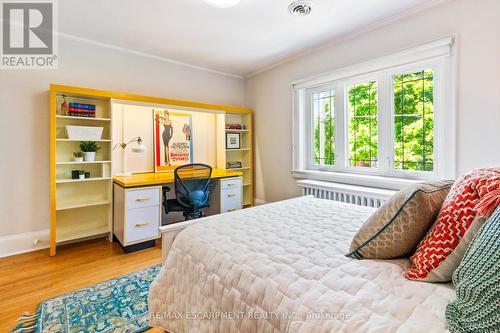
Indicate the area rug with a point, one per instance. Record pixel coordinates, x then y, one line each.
117 305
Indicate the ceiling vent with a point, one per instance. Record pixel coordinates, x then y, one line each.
300 8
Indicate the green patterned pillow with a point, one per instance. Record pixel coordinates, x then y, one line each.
477 283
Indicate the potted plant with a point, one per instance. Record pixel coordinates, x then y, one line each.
81 175
78 156
89 149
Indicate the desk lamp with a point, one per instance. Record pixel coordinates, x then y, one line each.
139 148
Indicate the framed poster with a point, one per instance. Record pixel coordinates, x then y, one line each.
173 139
233 141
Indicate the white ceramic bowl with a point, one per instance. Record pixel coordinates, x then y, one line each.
84 132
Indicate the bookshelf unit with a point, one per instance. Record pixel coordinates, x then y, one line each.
81 208
244 154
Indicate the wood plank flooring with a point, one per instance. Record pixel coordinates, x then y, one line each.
27 279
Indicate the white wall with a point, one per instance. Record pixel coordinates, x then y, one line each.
130 121
477 27
24 117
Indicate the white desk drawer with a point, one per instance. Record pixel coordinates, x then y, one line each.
231 200
143 198
142 224
231 183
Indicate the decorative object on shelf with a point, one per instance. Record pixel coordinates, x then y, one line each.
84 132
233 141
139 148
89 149
234 165
173 139
81 174
87 174
75 174
235 126
64 106
78 156
81 110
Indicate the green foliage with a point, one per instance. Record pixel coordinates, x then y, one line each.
363 134
414 121
89 146
324 117
78 154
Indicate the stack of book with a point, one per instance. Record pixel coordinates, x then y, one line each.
81 110
233 165
235 126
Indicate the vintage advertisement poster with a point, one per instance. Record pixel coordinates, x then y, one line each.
173 142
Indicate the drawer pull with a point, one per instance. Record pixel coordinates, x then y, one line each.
143 199
231 184
143 224
232 209
231 195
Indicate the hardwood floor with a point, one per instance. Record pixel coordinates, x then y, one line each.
27 279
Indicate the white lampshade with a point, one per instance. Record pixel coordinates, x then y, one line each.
139 148
222 3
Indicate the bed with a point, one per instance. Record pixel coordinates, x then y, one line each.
281 267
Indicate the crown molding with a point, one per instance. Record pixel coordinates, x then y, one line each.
147 55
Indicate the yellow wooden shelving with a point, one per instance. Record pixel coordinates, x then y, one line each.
81 209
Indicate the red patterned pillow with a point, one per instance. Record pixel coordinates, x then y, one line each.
458 212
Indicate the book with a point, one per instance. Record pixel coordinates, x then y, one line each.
82 115
82 106
77 112
233 165
235 126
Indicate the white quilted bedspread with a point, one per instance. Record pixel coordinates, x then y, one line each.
281 267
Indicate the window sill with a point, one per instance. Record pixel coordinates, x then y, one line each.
390 183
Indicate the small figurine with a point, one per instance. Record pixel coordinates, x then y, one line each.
64 107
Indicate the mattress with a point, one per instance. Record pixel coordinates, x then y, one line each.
281 267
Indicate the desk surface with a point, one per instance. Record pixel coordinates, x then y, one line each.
147 179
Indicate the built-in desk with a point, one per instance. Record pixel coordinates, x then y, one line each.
149 179
137 204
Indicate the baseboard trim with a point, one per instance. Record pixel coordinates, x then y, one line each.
259 202
24 242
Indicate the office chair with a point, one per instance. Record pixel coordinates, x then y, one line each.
192 190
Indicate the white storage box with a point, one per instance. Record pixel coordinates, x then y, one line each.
84 132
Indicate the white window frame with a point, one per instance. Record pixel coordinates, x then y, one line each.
309 106
344 110
438 56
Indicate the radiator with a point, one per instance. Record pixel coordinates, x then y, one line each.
359 195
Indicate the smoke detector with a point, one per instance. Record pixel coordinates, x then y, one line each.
300 7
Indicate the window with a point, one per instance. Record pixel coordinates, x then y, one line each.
379 121
414 121
363 138
324 127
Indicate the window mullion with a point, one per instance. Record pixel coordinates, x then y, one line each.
340 137
321 124
385 130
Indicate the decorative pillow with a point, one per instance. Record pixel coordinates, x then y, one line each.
454 219
397 227
477 283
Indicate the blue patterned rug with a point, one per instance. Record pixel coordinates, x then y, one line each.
117 305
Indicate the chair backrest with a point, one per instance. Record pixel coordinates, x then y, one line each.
192 182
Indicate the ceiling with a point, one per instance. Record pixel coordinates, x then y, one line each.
241 40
